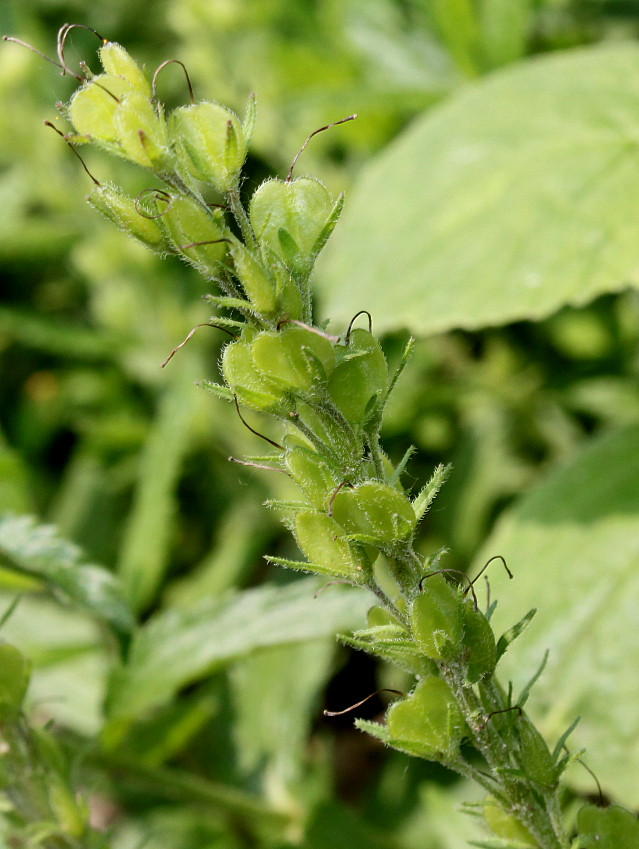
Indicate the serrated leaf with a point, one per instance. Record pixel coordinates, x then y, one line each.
178 647
513 198
38 551
573 545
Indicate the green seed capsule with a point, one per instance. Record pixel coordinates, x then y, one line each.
428 723
360 377
311 474
295 358
209 143
186 223
117 62
321 539
289 217
246 382
436 619
479 643
121 209
375 510
92 108
140 132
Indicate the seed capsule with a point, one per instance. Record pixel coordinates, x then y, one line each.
321 539
436 619
375 510
294 358
360 377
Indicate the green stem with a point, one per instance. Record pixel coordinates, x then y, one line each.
239 213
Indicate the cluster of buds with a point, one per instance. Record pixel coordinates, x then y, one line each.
328 393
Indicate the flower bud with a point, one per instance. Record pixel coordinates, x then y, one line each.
209 142
186 223
294 358
428 723
117 62
359 378
436 619
121 209
290 218
375 510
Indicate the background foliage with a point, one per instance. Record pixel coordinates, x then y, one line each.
498 225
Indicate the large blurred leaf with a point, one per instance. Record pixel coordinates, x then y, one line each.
178 647
573 544
38 551
514 198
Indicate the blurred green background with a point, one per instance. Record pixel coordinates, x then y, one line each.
129 461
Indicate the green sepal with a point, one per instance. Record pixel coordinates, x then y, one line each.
117 62
358 380
205 146
217 389
322 541
229 303
374 510
511 634
374 729
294 358
114 203
607 828
250 116
436 619
330 429
260 289
429 491
511 832
329 226
15 671
428 723
480 656
307 566
536 761
392 643
246 382
311 473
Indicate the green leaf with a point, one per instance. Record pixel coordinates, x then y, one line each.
513 198
37 550
573 546
179 647
511 634
607 828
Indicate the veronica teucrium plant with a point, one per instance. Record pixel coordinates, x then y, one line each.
353 521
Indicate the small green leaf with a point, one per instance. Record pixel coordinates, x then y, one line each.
607 828
511 634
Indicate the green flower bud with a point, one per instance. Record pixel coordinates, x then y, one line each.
310 473
257 284
436 619
536 760
186 223
14 680
428 723
209 142
322 541
118 207
289 218
117 62
479 644
359 378
505 825
374 510
296 359
246 382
